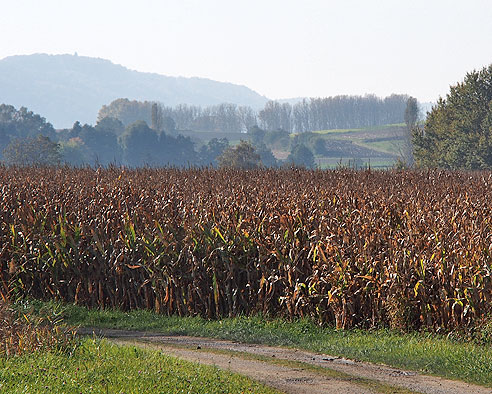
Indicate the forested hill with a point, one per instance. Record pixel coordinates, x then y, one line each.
67 88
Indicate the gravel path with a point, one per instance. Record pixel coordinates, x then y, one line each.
343 376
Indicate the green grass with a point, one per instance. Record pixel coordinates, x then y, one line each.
426 353
372 128
391 147
99 367
335 131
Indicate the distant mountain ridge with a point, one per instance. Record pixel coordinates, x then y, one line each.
67 88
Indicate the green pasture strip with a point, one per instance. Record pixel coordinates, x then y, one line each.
332 131
336 131
427 353
355 130
388 146
99 367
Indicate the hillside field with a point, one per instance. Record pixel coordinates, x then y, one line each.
376 147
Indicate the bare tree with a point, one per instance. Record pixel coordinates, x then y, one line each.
405 147
156 117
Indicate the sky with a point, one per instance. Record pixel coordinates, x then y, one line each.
279 48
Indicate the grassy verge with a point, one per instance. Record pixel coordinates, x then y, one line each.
426 353
99 367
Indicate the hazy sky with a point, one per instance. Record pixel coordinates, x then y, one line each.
280 48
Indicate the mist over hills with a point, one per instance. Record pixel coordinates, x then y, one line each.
67 88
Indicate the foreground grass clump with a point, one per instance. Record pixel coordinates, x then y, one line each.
428 353
23 332
99 367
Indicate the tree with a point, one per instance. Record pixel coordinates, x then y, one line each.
412 112
140 145
74 152
275 116
267 158
112 125
4 139
257 135
242 156
278 139
156 117
457 133
126 111
168 124
21 123
209 153
301 156
405 146
102 145
32 151
175 151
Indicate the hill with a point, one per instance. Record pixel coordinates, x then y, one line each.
66 88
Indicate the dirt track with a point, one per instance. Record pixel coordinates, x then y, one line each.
337 376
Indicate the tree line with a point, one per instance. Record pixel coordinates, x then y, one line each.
339 112
137 133
28 139
457 133
227 118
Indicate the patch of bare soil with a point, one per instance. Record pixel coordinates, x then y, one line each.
287 378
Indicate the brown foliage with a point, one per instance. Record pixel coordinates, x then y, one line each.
401 249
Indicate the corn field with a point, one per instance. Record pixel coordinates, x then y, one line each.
407 250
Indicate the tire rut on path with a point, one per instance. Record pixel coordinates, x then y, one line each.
285 379
288 378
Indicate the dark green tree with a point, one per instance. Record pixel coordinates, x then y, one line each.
256 134
143 146
112 125
458 131
102 145
140 145
267 158
301 156
22 123
242 156
32 151
278 139
209 153
4 139
75 153
177 151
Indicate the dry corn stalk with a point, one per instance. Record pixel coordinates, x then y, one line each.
400 249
